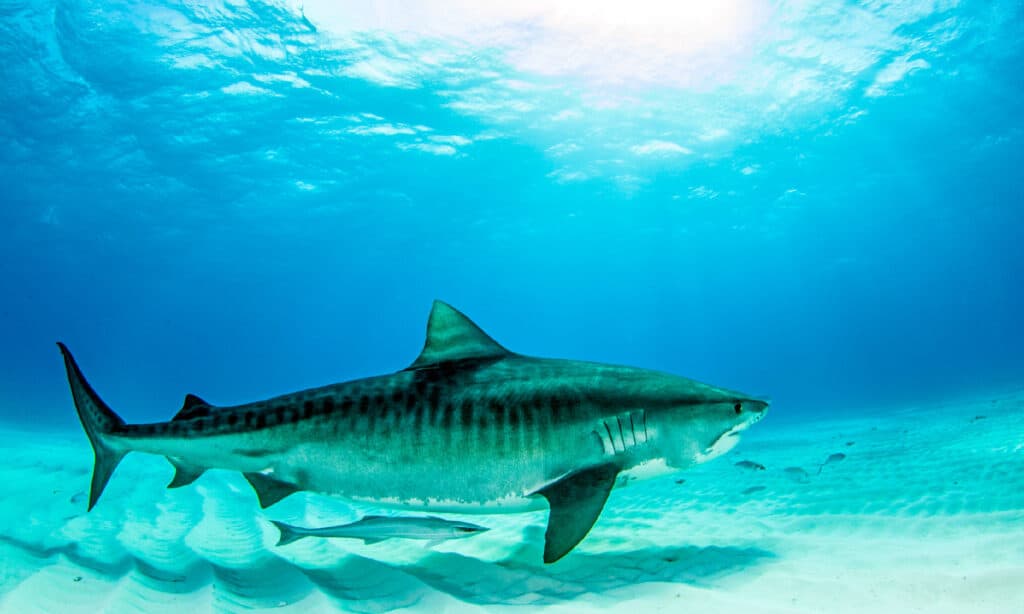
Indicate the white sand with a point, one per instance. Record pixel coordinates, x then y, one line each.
925 513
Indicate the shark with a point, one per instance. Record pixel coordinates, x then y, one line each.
373 529
468 427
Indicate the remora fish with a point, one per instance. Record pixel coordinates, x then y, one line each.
372 529
469 426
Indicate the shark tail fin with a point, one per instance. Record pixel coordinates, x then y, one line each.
289 533
99 422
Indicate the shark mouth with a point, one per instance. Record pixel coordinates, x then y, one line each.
727 440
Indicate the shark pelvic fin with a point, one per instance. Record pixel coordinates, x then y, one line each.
289 533
576 501
99 422
184 474
451 336
269 490
193 407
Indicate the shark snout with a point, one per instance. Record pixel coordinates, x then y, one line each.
754 405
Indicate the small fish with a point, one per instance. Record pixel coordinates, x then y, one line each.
796 474
752 490
373 529
751 465
835 458
850 443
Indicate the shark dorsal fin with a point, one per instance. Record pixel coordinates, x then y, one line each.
451 336
193 407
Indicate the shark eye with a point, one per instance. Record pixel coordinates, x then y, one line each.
738 407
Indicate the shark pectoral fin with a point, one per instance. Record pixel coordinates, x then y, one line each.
184 474
269 490
576 501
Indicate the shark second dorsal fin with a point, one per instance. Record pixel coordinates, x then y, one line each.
576 501
193 407
451 336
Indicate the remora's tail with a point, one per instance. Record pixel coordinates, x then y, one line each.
288 533
99 423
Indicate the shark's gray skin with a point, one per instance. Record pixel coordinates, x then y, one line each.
468 427
372 529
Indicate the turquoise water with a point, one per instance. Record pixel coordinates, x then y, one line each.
813 202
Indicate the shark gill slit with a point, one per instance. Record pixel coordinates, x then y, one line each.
611 440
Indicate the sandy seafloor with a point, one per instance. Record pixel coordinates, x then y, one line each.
925 514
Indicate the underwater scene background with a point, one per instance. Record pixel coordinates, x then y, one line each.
818 203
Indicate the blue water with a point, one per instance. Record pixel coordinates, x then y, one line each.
815 202
231 200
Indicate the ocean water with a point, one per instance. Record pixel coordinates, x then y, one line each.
817 203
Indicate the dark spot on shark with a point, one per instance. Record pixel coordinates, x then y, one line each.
466 412
397 395
513 416
448 416
261 420
232 419
199 425
434 398
421 387
379 400
215 421
249 418
738 408
253 453
411 401
556 408
307 409
538 402
364 405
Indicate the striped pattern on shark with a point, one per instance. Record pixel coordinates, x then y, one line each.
468 427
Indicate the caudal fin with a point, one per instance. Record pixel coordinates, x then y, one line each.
289 533
99 422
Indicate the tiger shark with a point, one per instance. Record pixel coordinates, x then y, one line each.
469 426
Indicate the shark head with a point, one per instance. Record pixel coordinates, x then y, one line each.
695 423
